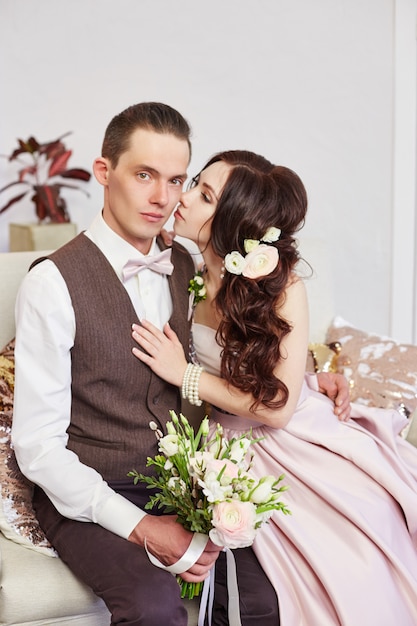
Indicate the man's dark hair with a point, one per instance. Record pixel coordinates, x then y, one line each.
154 116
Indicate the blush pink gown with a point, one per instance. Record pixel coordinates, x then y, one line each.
348 553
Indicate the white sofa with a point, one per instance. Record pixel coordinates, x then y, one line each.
37 589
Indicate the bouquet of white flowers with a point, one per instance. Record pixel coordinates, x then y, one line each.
208 484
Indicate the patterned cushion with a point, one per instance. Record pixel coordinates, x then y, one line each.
17 518
382 372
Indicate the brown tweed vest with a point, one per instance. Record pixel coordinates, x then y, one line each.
114 395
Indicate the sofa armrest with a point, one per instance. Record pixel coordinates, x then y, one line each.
13 267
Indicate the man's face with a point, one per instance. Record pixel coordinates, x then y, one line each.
143 189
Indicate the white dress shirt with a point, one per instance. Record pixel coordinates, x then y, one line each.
42 402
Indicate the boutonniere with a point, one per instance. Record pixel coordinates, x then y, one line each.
197 288
197 291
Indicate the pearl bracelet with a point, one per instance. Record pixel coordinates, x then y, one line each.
185 381
190 382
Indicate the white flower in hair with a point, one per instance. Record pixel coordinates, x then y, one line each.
260 259
250 244
272 234
234 262
260 262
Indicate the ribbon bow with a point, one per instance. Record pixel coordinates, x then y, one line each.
160 263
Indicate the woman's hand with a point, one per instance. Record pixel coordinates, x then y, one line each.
167 236
163 351
336 387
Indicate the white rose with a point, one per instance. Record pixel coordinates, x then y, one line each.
272 234
234 262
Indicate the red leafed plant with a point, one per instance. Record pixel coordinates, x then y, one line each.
41 171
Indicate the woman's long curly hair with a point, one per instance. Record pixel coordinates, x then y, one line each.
256 196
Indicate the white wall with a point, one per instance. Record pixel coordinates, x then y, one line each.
310 84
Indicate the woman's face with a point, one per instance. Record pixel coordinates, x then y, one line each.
197 207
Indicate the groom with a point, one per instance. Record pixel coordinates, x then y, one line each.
83 402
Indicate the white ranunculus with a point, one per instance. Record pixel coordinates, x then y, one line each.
272 234
234 262
260 262
233 524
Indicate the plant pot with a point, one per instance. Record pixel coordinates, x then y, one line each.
40 236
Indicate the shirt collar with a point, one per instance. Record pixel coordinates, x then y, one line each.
116 249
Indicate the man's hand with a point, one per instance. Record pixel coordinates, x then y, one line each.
336 387
167 540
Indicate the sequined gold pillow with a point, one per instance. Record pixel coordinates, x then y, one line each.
382 372
17 518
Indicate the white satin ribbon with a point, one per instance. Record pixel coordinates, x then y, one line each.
233 590
207 597
206 602
190 556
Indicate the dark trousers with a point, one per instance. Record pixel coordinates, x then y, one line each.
257 598
136 592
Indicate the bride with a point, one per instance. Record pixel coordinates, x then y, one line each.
348 553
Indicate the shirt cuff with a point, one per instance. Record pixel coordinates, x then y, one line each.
119 515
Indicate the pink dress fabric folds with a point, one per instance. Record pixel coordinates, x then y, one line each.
348 553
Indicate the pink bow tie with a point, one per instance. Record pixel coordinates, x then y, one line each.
160 263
